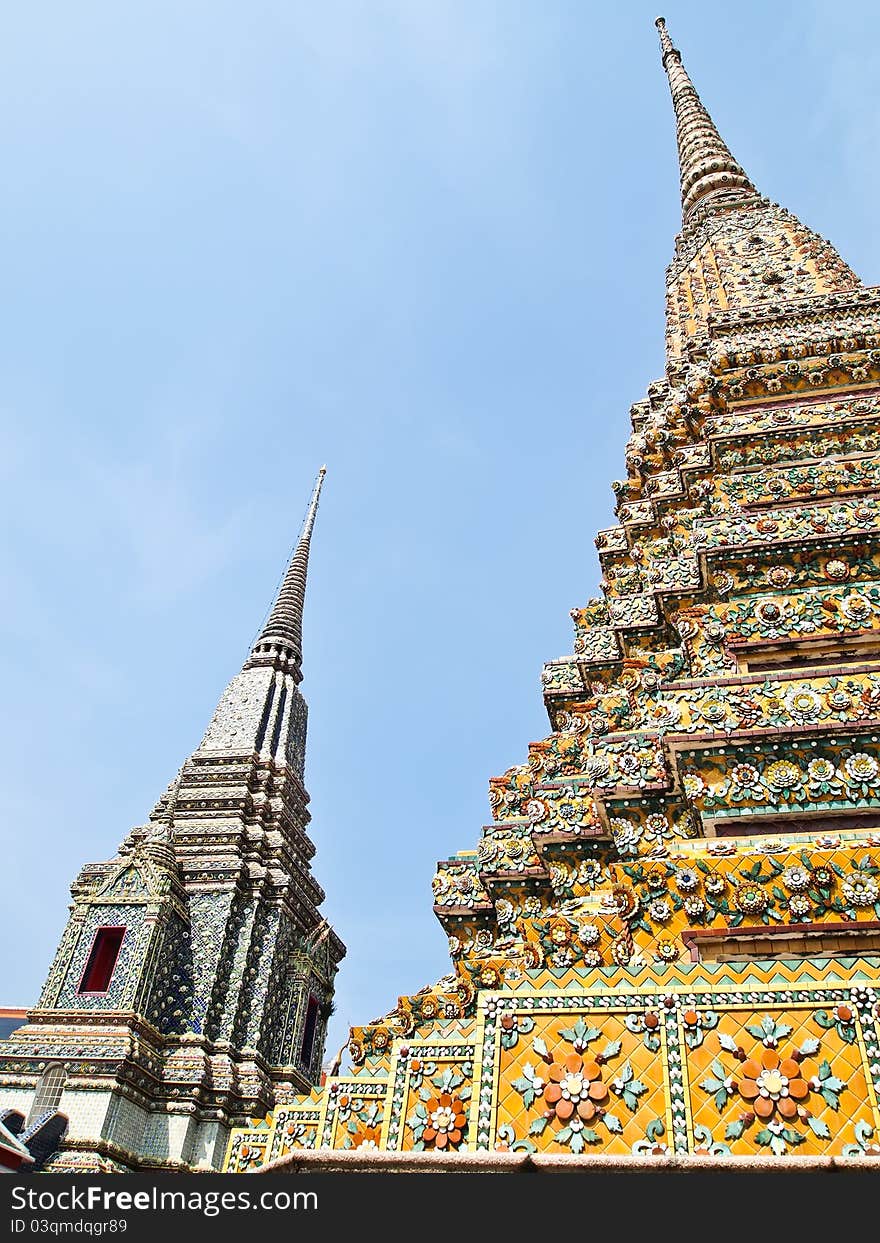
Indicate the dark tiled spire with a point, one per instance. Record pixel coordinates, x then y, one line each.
283 628
708 170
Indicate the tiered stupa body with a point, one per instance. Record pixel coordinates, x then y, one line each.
194 980
668 939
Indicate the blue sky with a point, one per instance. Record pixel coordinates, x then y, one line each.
423 242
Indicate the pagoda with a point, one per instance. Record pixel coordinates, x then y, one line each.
667 941
194 981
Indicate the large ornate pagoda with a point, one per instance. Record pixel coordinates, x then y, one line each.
194 980
668 939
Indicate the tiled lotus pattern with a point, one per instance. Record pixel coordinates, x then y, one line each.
765 1057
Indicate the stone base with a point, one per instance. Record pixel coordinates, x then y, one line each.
357 1161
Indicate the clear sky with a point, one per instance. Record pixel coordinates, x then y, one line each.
420 241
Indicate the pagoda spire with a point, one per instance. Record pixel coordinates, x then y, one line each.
707 168
283 628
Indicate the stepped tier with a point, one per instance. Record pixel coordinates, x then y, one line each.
668 938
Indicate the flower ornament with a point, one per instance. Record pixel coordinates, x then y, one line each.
745 781
589 873
715 884
648 1026
625 901
568 811
693 784
695 908
870 700
622 949
596 767
430 1007
799 907
861 767
719 847
821 773
797 879
466 990
856 608
750 711
860 889
837 570
767 526
779 576
750 898
839 700
441 885
770 615
515 852
630 767
487 850
783 777
657 828
298 1134
772 1085
714 710
570 1086
770 847
536 810
446 1121
626 835
345 1105
505 911
667 950
367 1138
660 911
687 880
575 1086
805 706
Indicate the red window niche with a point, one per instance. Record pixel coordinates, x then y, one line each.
102 960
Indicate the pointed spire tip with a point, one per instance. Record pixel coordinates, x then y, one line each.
707 168
284 624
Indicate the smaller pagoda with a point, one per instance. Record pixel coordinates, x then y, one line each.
194 981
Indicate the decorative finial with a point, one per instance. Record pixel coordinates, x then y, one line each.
667 47
708 170
283 628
